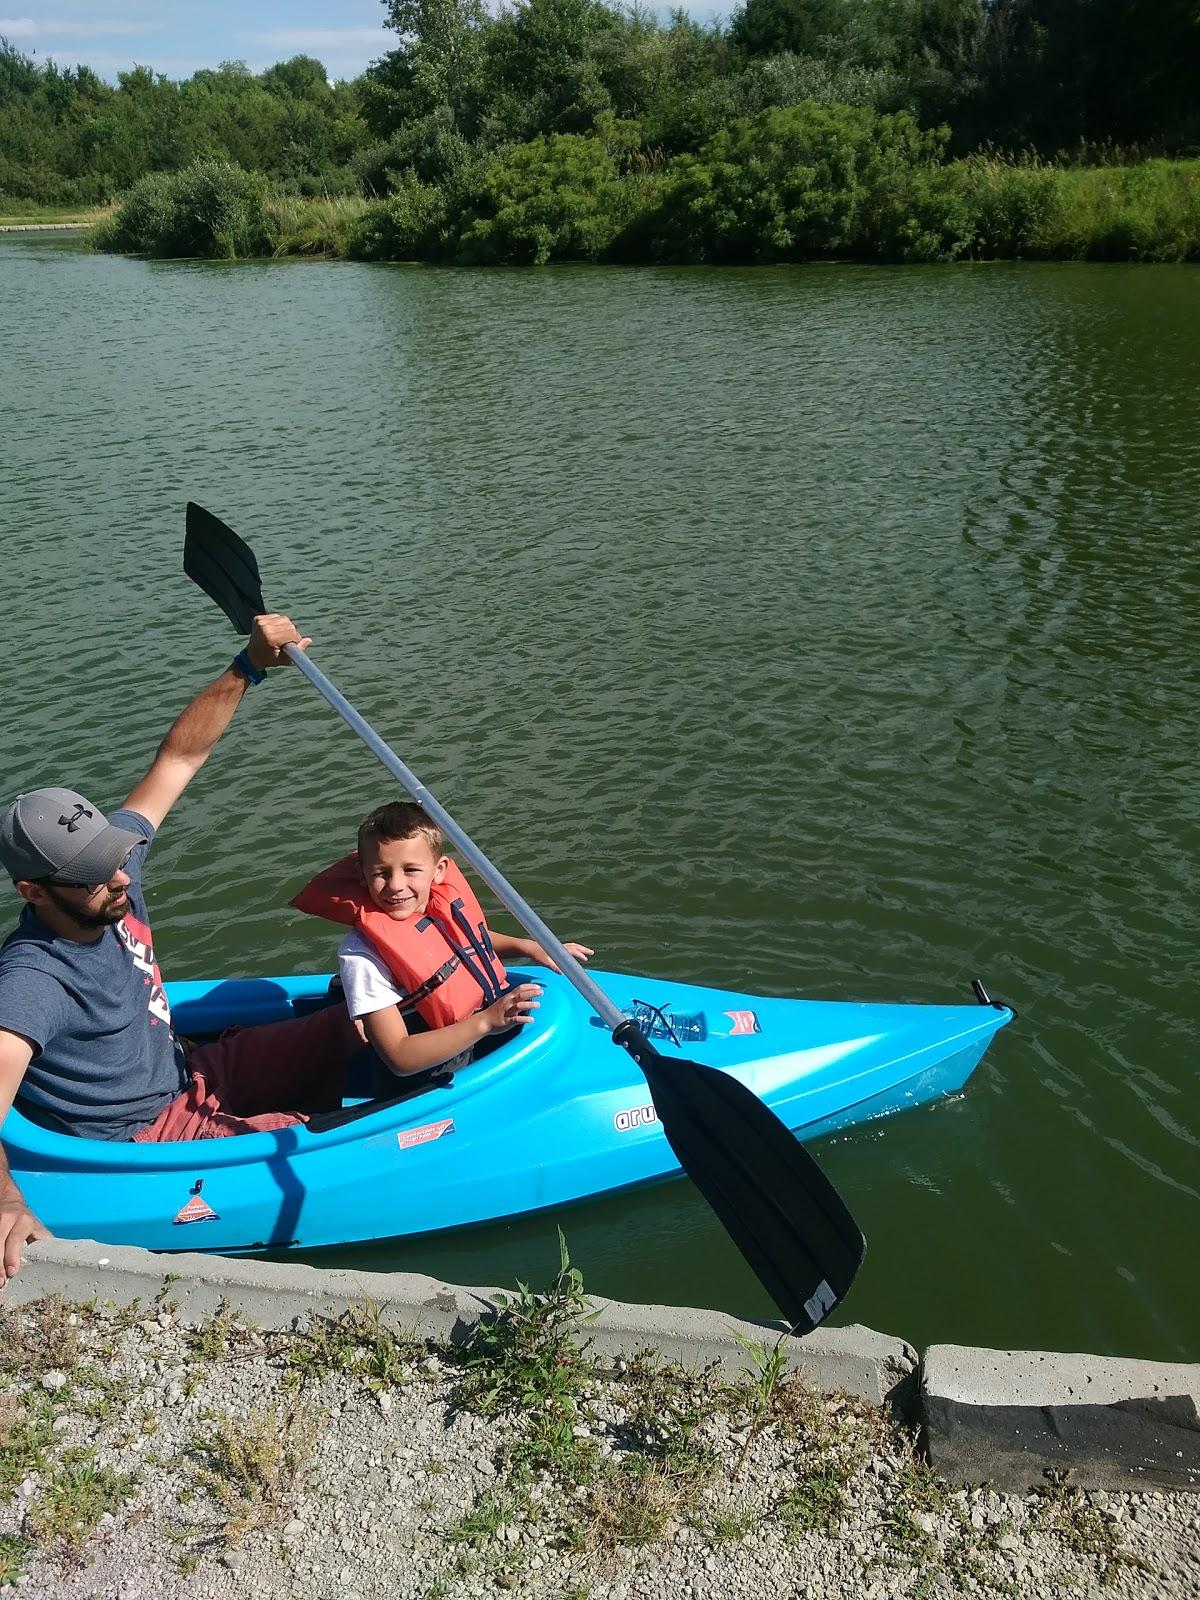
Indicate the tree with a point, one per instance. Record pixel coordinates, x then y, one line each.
303 78
437 64
540 74
766 27
19 77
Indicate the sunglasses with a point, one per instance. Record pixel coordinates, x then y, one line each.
88 888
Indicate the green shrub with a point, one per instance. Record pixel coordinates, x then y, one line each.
790 184
789 80
914 208
1017 204
562 197
408 226
209 209
430 147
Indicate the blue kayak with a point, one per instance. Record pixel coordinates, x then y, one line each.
556 1114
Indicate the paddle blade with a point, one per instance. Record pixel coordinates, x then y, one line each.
776 1204
224 567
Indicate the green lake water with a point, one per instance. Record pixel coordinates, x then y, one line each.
828 631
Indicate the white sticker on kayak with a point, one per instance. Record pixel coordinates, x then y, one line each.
408 1137
636 1117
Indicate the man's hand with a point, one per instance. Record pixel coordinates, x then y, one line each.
199 725
18 1227
268 636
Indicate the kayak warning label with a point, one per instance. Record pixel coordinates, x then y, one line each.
197 1210
408 1137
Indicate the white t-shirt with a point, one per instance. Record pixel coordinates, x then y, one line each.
365 977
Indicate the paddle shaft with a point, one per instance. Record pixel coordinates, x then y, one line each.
495 880
777 1206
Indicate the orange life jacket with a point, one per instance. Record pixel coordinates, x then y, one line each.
443 959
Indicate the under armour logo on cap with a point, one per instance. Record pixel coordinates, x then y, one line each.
71 823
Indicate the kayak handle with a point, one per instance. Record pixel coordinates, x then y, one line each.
985 999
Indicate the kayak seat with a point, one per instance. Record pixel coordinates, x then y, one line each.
419 1083
371 1087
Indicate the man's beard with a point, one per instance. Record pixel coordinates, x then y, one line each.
108 916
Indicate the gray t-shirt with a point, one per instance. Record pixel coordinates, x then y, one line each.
105 1061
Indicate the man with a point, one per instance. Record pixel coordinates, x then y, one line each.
85 1029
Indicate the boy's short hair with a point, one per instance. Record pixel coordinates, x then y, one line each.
399 819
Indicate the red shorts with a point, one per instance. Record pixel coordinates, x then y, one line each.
243 1081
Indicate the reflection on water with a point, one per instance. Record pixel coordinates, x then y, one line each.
824 631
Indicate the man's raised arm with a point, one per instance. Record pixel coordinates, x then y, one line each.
199 725
18 1225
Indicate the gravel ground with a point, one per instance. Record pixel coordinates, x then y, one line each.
142 1459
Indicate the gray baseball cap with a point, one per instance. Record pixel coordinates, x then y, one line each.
56 833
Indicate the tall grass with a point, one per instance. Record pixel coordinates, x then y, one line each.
1027 208
320 225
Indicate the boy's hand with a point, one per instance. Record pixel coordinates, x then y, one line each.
580 951
513 1008
268 635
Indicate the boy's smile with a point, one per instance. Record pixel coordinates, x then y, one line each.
399 873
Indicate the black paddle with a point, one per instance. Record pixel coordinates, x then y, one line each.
775 1202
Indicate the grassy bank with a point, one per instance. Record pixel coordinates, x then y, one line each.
805 183
26 213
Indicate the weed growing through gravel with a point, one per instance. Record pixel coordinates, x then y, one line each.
359 1341
222 1335
75 1496
253 1468
664 1407
24 1440
483 1522
39 1338
525 1356
1065 1512
770 1365
727 1526
14 1551
964 1559
632 1502
816 1505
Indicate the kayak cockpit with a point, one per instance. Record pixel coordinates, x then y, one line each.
203 1010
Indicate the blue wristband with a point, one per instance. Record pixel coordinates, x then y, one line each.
242 663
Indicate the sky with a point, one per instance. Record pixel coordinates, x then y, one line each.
178 36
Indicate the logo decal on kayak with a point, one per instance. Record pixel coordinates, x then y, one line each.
743 1022
431 1130
197 1210
635 1117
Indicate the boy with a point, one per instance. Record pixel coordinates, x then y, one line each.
420 968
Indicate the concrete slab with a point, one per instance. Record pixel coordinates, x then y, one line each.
279 1295
1008 1417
